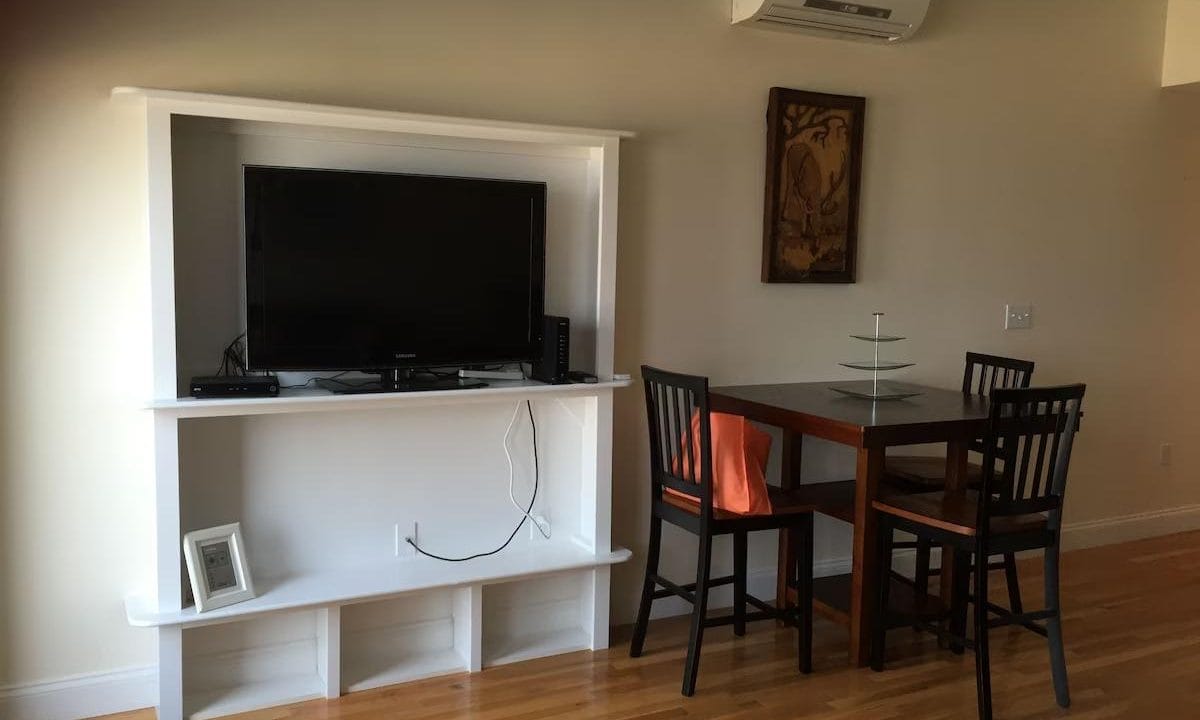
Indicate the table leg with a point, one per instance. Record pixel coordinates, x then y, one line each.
785 575
956 481
866 565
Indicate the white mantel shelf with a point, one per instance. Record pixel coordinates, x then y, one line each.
230 106
379 581
296 401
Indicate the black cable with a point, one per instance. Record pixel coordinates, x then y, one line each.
441 374
331 378
334 379
532 500
365 383
233 358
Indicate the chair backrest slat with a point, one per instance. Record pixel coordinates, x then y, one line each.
676 448
686 441
1055 447
1025 443
1017 480
677 412
659 432
1038 465
984 374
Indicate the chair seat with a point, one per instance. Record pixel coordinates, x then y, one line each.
955 513
833 498
916 473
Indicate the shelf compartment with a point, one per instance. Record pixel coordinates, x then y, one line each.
295 401
221 702
535 618
416 636
379 670
512 648
255 664
380 581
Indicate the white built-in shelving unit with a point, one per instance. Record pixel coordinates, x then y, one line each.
325 485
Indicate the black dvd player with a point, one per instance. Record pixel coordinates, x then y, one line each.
230 386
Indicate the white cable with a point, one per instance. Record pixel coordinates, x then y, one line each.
512 474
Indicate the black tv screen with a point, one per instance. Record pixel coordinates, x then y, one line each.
371 271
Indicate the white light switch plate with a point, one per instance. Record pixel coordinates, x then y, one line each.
1018 317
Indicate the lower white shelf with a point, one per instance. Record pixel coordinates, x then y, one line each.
370 582
251 696
378 672
516 649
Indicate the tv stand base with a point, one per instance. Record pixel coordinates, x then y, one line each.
403 381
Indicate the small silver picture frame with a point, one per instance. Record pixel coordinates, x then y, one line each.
217 566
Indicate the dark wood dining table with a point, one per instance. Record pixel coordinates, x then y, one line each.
870 427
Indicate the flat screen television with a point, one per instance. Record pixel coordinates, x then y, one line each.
373 271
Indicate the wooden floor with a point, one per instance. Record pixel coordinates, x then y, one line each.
1132 628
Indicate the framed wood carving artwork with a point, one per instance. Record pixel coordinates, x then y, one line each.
814 164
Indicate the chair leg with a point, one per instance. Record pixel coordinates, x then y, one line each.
983 671
699 610
643 616
1013 582
739 583
804 591
883 551
958 603
1058 658
921 578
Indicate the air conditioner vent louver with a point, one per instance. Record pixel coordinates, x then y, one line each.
880 21
831 27
845 8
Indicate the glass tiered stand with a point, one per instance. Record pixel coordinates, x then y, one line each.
876 389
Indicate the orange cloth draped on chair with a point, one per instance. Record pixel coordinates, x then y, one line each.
739 459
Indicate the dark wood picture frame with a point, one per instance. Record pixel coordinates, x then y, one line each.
810 212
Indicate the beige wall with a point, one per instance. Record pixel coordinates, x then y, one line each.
1017 151
1181 46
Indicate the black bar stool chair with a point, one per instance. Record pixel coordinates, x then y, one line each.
1018 507
982 375
672 400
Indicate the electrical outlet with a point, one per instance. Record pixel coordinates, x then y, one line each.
1018 317
403 549
1164 454
542 524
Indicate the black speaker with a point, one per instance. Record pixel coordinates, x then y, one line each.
554 356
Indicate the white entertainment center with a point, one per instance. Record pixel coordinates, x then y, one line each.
326 486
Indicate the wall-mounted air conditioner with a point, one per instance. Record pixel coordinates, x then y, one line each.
880 21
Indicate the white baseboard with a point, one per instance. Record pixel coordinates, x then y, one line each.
1124 528
132 688
81 696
